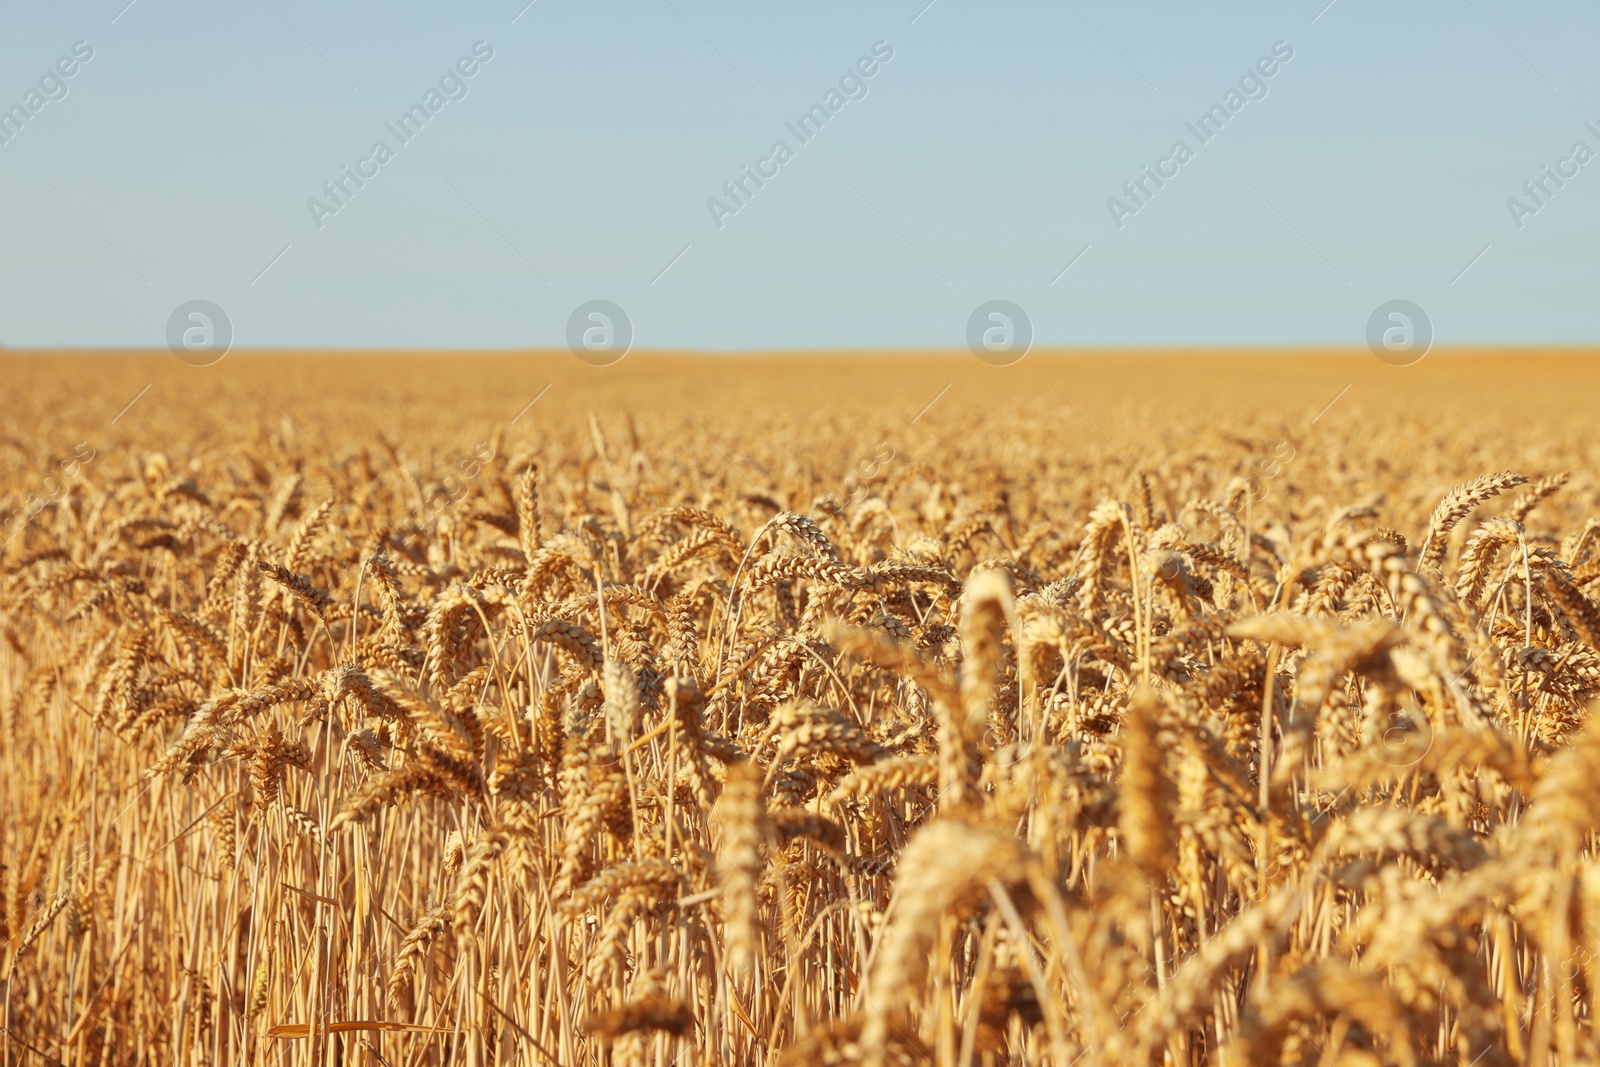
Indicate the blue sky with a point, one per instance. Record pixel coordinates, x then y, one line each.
978 164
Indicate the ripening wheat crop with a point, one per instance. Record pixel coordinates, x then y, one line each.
507 710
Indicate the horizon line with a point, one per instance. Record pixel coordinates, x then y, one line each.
1487 348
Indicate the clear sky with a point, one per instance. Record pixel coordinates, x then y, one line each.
975 163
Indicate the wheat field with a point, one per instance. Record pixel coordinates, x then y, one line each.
1180 708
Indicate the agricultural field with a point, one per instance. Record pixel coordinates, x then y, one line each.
1183 708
